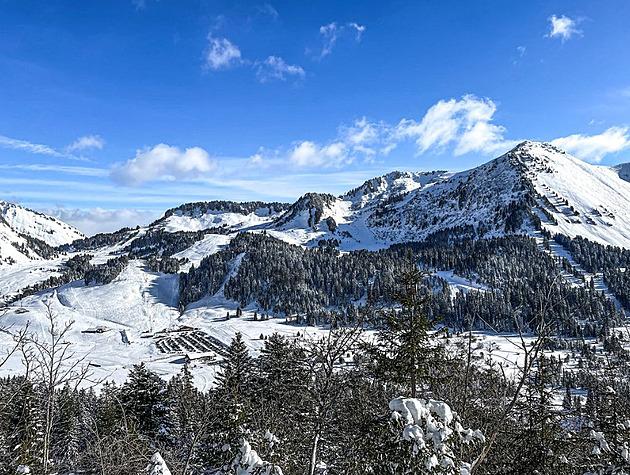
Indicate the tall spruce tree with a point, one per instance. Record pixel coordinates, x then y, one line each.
404 352
237 368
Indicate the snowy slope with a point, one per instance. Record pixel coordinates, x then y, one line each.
584 200
18 223
50 230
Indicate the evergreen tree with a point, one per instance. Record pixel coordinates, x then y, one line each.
142 396
404 352
237 368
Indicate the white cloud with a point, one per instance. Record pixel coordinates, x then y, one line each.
368 138
221 54
465 123
563 27
87 142
275 67
308 154
593 148
163 161
99 220
359 30
333 31
35 148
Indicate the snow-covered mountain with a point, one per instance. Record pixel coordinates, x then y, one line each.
533 187
21 228
217 214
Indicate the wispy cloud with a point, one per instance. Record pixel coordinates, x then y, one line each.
221 53
30 147
359 29
593 148
87 142
82 171
520 50
276 68
163 162
563 27
35 148
368 138
331 32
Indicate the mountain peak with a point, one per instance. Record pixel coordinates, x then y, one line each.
38 225
533 147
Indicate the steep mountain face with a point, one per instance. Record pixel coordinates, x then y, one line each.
575 198
307 211
26 235
535 185
486 201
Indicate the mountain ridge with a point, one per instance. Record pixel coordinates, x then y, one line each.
535 187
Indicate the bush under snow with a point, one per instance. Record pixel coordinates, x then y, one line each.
433 429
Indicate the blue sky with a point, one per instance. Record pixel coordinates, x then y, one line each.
113 111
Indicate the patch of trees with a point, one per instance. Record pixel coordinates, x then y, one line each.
35 246
99 240
165 265
160 243
612 261
338 402
307 284
106 273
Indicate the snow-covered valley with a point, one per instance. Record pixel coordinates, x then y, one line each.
535 190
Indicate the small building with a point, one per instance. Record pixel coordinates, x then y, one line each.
209 357
124 334
98 329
